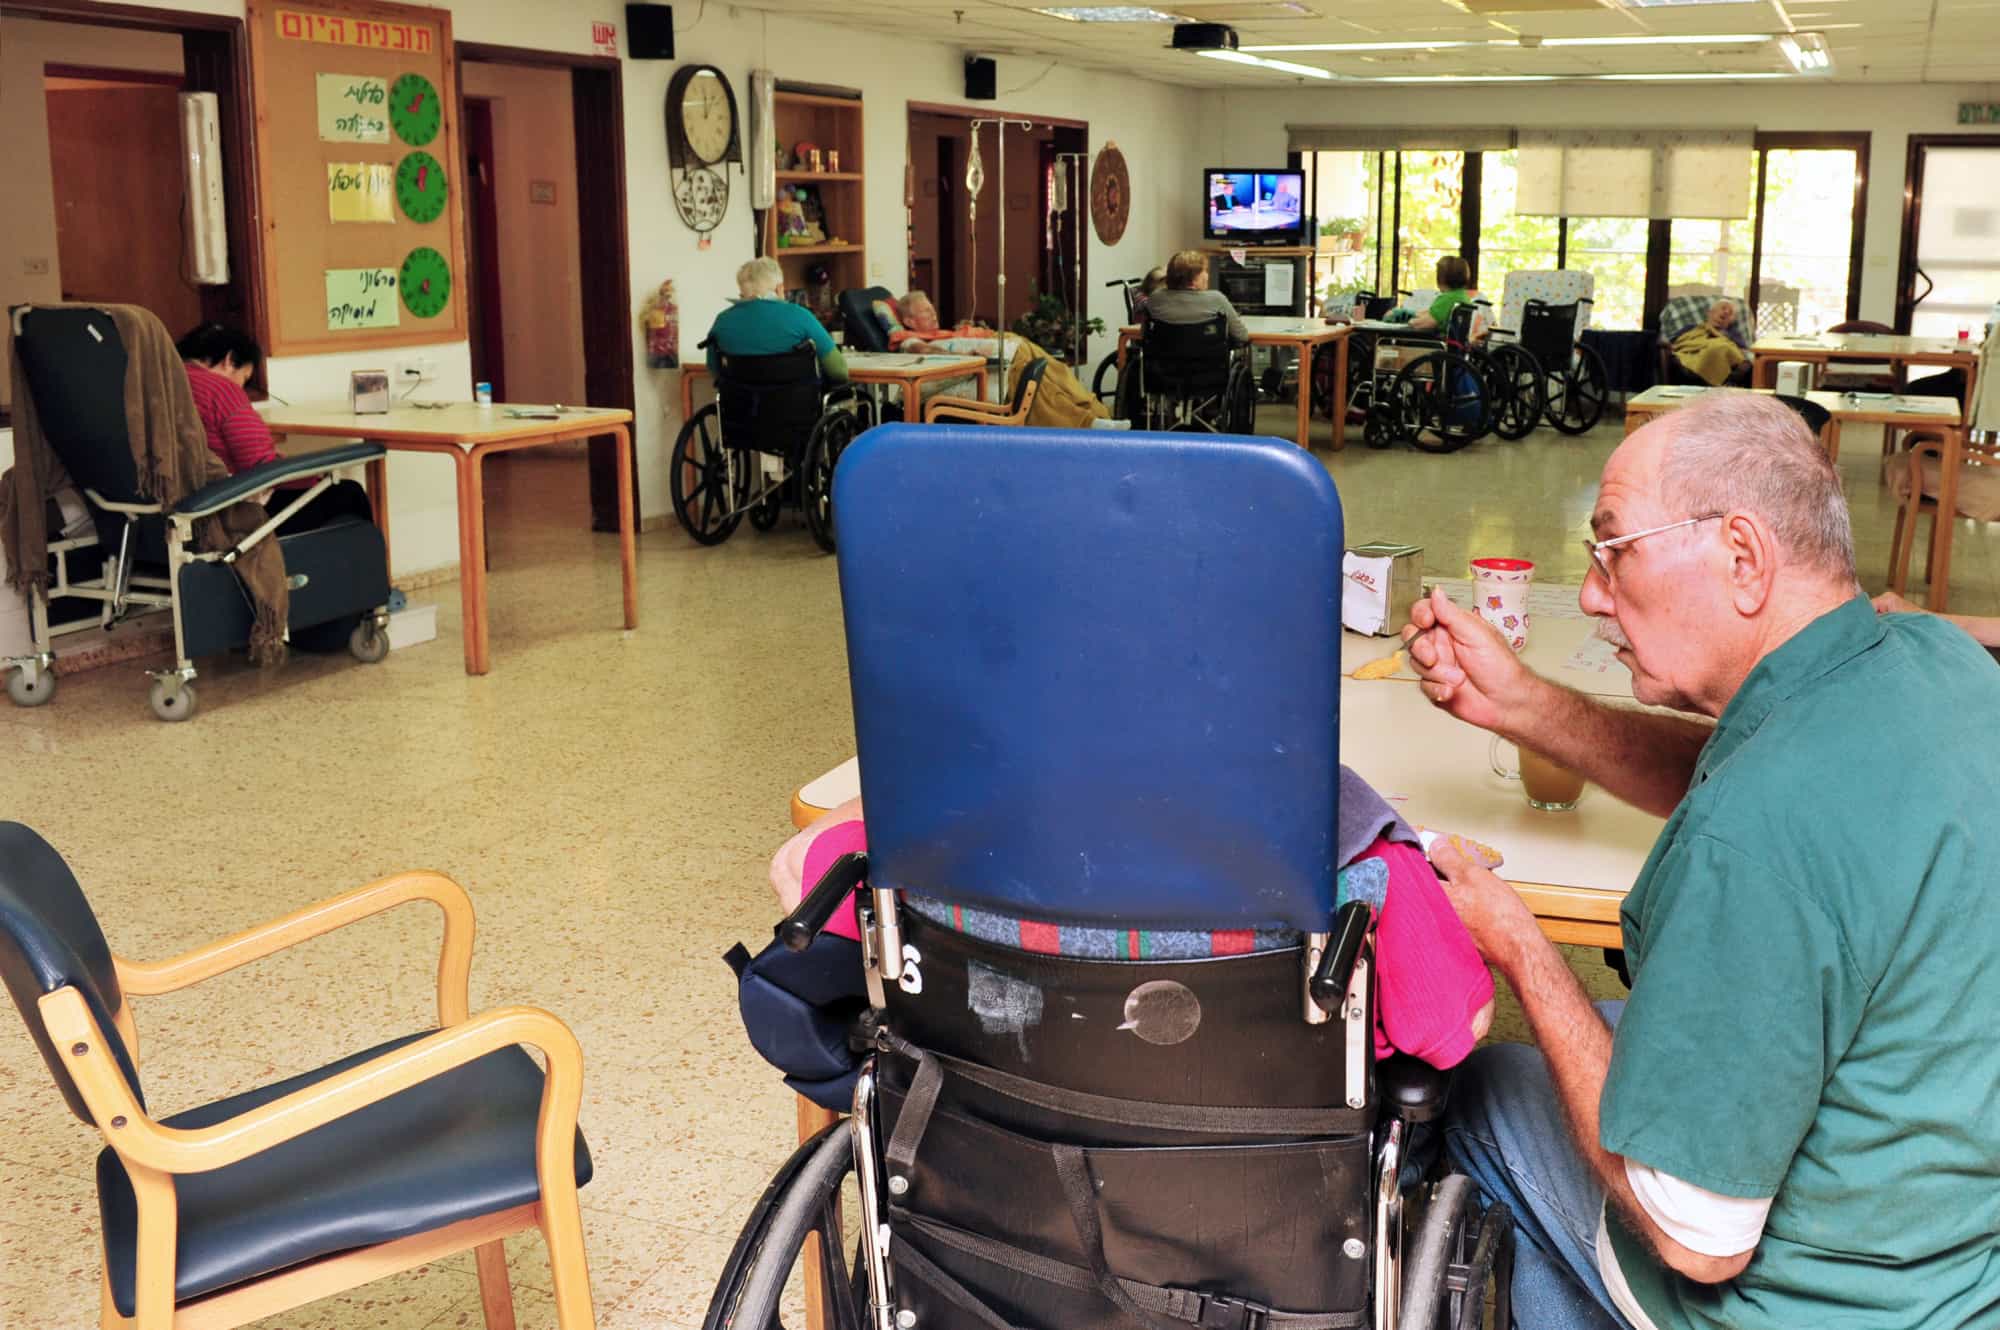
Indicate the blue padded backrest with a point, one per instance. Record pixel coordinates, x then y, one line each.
49 939
75 364
1095 674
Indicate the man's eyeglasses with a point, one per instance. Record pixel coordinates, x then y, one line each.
1600 549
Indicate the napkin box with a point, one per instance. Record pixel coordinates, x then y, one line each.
1795 378
1383 580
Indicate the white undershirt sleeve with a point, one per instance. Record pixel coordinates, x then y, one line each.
1700 1220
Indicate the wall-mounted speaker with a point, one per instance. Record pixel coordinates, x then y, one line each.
649 29
981 74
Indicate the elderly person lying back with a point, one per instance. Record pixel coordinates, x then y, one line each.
913 325
764 323
1715 349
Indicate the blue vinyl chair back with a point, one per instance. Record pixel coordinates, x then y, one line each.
75 363
49 939
1096 676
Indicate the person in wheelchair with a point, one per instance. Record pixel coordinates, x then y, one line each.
1186 298
220 360
1454 275
763 323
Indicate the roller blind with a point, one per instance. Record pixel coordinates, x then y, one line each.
1654 173
1399 138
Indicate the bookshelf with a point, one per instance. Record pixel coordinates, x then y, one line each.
833 124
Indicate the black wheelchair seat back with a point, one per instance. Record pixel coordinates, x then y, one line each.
857 315
1187 359
1458 324
75 365
1548 333
1056 1119
769 403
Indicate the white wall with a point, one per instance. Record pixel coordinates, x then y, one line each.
1251 127
1154 125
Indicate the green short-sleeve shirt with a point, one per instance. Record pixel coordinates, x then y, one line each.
1815 947
1446 302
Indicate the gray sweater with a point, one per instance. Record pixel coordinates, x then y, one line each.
1171 306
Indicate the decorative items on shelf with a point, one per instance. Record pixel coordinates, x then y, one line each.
801 220
662 320
803 153
833 159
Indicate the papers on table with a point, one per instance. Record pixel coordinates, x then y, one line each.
1593 656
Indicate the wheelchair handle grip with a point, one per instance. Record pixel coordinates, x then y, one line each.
1330 981
798 929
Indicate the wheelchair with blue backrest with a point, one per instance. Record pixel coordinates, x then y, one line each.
771 437
130 553
1116 712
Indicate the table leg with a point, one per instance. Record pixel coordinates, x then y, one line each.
628 545
378 503
1831 438
812 1120
1947 515
472 580
1763 372
1340 393
687 397
913 399
1305 395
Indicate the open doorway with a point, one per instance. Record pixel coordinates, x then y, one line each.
98 84
955 241
549 282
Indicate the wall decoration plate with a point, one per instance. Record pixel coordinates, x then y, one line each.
1110 194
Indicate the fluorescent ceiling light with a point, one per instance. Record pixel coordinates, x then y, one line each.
1807 51
1682 78
1565 78
1110 14
1711 39
1282 66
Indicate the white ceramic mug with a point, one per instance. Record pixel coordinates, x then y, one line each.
1500 594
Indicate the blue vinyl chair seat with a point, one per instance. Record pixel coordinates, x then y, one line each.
455 1147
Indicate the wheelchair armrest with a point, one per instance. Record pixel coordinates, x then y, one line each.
1412 1089
244 484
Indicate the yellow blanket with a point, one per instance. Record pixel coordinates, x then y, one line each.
1707 354
1062 402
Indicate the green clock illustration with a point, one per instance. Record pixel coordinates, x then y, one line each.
415 112
425 282
420 187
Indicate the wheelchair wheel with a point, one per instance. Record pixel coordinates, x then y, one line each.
1515 383
1576 399
172 700
708 483
368 642
765 513
34 692
1104 383
830 437
800 1206
1239 402
1443 400
1459 1258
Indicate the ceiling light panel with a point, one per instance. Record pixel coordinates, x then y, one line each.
1110 14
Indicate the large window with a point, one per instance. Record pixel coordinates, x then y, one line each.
1386 217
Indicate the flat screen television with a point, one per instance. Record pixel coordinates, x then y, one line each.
1255 207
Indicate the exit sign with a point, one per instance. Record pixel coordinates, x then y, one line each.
1979 113
604 38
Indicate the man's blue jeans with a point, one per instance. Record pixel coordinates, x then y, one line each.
1505 1129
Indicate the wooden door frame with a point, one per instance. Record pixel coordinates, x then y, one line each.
1860 143
1913 197
215 57
604 243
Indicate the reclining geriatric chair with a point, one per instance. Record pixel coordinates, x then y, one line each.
438 1142
1119 1060
75 363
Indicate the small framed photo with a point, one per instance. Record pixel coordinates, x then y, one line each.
368 392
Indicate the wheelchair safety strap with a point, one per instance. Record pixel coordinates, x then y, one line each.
1182 1307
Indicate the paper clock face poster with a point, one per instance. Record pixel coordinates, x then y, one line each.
361 298
361 191
353 108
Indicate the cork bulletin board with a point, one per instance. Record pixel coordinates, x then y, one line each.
358 165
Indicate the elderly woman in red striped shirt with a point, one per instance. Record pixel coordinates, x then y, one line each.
220 360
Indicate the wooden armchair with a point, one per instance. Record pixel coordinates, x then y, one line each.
1917 482
1014 412
422 1147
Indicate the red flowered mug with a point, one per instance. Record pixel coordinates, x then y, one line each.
1500 594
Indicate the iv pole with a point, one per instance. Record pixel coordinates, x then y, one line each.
1000 280
1075 200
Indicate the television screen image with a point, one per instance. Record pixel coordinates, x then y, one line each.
1266 205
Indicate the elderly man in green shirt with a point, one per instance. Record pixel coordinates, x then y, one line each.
1795 1120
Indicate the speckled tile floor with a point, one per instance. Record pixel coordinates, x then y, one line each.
610 800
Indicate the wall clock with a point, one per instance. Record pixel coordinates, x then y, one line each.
415 112
1110 194
420 187
425 282
703 138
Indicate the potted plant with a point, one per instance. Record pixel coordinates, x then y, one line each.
1348 230
1049 324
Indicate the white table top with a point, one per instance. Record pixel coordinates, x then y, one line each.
1841 405
1282 325
1864 344
453 422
